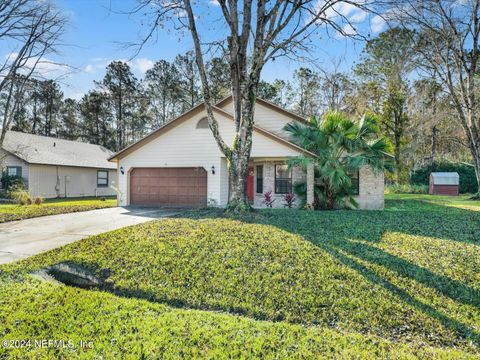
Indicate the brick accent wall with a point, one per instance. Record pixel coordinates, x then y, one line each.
269 183
371 187
371 195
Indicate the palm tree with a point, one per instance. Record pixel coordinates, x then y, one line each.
342 147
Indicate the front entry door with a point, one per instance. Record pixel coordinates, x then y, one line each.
250 187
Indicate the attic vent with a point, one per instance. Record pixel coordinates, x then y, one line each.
202 123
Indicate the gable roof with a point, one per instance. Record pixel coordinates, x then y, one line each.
269 105
185 116
37 149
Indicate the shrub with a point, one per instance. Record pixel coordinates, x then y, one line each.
38 200
9 181
268 199
19 195
289 200
342 147
406 189
468 180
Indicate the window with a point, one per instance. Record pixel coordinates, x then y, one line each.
102 178
14 171
283 179
260 179
202 123
355 178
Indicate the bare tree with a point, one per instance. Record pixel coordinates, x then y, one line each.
336 87
448 33
34 29
255 32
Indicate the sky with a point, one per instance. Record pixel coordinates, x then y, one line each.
98 31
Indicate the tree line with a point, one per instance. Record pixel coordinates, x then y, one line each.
418 77
414 113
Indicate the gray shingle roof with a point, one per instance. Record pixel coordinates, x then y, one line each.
36 149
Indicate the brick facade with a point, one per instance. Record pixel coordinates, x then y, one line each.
371 195
371 190
269 183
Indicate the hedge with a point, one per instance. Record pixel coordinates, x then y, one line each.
468 180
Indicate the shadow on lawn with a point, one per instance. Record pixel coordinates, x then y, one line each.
338 232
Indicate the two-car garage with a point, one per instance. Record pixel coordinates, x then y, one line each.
182 187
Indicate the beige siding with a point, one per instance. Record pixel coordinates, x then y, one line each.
72 181
7 159
268 119
186 146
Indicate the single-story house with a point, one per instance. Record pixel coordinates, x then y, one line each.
57 168
180 164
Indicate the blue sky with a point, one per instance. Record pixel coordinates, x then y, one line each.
96 34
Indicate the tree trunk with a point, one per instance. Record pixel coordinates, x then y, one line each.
6 120
475 150
434 143
397 151
240 157
237 180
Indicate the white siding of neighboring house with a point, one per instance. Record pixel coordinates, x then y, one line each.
186 146
267 119
7 159
79 181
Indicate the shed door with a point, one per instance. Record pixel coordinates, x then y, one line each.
186 187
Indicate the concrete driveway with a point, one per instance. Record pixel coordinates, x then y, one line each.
21 239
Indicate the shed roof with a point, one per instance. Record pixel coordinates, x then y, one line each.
36 149
445 178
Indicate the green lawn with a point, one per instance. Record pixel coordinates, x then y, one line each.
400 283
11 212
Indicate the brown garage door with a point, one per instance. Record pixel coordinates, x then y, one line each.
168 187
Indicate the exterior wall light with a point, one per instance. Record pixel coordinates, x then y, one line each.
213 170
121 170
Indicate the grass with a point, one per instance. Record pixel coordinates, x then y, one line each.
431 203
400 283
12 212
406 189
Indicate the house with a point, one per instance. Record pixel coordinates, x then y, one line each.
179 164
54 167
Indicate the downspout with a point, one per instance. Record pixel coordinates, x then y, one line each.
57 184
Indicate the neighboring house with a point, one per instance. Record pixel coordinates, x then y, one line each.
54 167
180 164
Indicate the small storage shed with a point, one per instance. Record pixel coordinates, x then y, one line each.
444 183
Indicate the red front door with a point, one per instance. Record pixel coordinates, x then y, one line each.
250 187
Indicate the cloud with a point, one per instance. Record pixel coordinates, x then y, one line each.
41 67
89 68
213 2
345 14
358 16
344 10
142 64
349 30
377 24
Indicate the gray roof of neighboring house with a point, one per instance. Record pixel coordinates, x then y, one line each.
36 149
445 178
